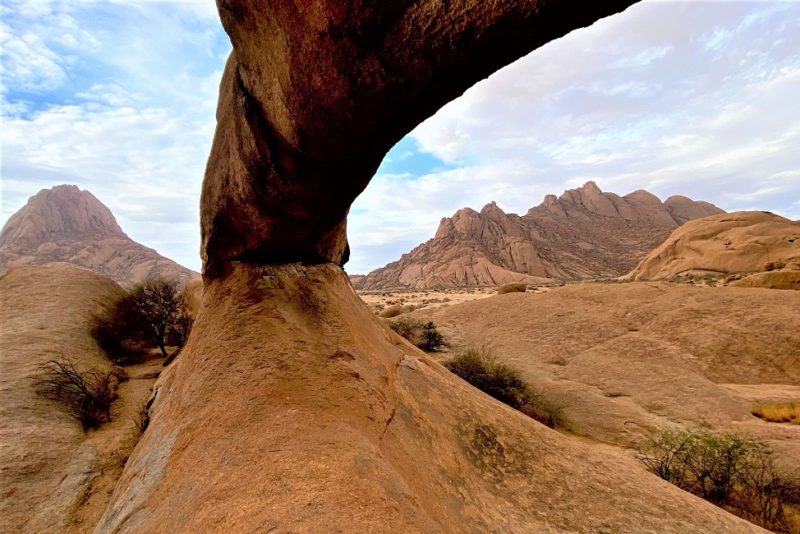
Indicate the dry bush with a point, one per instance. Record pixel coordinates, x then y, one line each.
87 394
408 328
516 287
728 469
788 412
506 384
392 311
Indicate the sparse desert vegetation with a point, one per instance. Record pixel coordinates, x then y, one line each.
150 315
87 393
423 335
787 412
729 469
506 384
395 302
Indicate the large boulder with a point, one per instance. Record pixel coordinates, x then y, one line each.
740 242
46 462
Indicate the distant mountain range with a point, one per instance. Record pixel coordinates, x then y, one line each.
583 234
66 224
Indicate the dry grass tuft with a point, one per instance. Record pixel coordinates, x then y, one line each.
512 288
392 311
788 412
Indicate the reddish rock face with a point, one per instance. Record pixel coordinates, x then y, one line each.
584 233
68 225
315 94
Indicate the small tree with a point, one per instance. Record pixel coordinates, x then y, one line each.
424 336
158 306
432 340
152 313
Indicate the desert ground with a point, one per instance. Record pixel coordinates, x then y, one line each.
626 358
372 432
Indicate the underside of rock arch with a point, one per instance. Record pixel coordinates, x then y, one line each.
293 408
315 93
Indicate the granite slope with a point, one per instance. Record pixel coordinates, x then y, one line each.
301 412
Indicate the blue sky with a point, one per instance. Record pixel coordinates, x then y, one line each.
693 98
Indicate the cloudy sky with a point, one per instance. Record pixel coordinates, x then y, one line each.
693 98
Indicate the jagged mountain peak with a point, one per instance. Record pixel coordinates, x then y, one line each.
583 233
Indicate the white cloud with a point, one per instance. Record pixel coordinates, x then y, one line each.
679 98
122 117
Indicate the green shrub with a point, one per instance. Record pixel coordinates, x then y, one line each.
425 336
408 328
502 382
728 469
506 384
547 411
432 339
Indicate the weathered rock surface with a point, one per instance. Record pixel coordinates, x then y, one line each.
315 94
584 233
46 462
66 224
625 358
741 242
294 409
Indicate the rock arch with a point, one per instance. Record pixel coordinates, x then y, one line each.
316 92
292 407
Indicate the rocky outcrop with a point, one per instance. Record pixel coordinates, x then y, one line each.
294 409
315 94
46 462
584 233
66 224
740 242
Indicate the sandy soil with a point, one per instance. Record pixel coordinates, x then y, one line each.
430 298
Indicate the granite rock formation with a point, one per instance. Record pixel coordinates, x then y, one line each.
740 242
66 224
292 408
46 462
584 233
315 94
